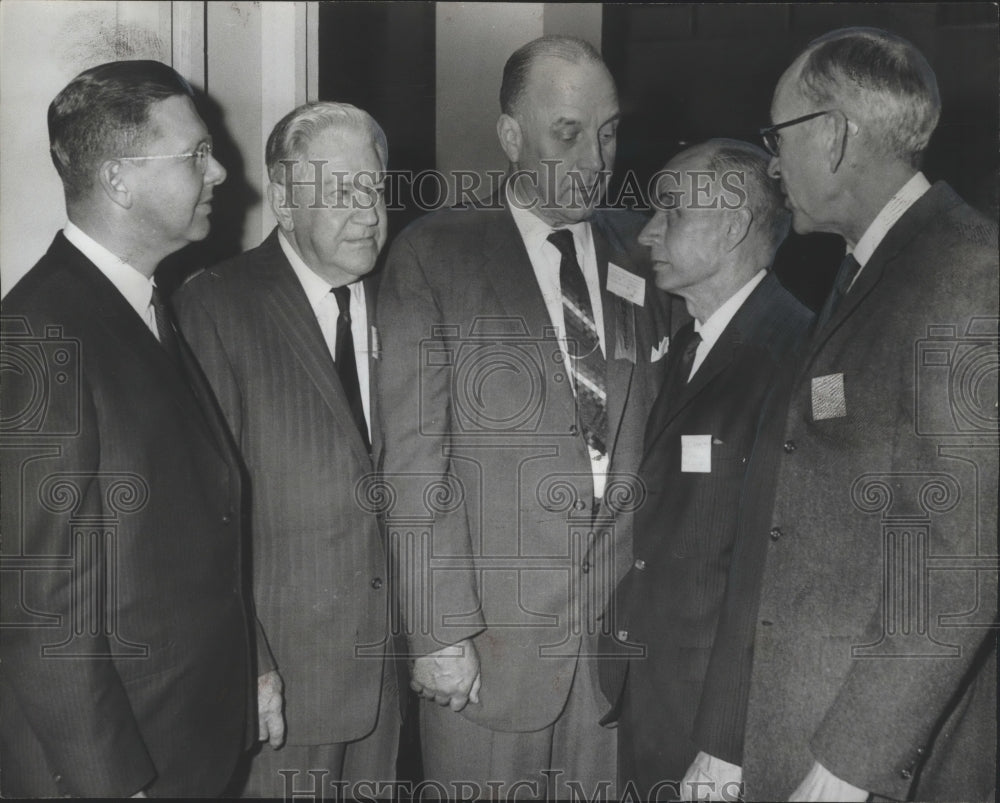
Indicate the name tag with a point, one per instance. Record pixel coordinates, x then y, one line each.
626 285
828 399
696 454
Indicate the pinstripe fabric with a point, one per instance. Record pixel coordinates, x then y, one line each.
157 483
669 602
320 579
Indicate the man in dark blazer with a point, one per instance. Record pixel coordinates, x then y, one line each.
283 333
500 438
855 653
126 638
712 242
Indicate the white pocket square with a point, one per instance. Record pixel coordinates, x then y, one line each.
659 351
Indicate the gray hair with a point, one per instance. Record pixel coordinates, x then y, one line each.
883 78
763 196
293 133
518 66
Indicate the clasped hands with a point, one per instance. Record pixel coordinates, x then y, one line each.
449 676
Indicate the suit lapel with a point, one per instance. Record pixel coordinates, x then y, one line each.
508 268
934 202
619 324
289 308
180 384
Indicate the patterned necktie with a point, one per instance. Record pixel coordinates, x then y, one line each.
845 275
346 361
586 361
164 326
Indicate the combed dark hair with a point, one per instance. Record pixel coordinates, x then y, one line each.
884 77
763 193
292 134
515 71
102 114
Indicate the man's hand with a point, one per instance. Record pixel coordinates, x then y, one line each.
711 778
270 719
449 676
821 784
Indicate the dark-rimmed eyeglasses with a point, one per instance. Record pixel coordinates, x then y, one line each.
770 134
199 154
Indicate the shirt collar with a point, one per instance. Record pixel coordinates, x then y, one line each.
316 287
719 320
905 197
134 286
535 231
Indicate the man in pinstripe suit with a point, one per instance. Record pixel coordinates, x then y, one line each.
282 333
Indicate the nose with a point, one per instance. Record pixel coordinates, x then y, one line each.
647 236
593 156
366 208
215 173
773 168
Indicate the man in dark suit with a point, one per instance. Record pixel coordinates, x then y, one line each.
518 344
721 219
283 334
126 641
855 652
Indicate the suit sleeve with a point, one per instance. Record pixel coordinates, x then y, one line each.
887 712
76 707
415 404
201 334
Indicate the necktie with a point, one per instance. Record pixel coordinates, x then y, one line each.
684 345
845 275
164 327
586 361
346 362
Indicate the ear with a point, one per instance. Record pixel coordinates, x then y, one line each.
835 130
738 226
509 132
112 180
282 210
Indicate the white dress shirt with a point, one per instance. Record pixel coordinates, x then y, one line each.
324 305
134 286
545 261
908 194
717 322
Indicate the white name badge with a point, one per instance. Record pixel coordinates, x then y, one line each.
696 454
828 398
626 285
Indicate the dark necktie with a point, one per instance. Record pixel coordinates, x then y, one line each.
841 284
164 326
346 362
685 345
586 361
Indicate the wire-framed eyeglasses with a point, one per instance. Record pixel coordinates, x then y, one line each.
199 154
770 133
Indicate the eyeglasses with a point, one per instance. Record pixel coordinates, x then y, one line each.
199 154
770 134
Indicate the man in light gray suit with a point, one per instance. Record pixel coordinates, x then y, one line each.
283 335
856 652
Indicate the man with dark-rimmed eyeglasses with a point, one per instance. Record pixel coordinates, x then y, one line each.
852 658
126 629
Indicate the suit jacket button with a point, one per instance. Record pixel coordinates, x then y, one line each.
227 517
574 429
377 583
623 635
906 775
640 564
789 446
579 504
766 622
585 566
775 533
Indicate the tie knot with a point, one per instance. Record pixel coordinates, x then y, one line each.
563 240
343 296
848 270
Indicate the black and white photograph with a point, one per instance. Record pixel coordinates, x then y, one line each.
410 400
